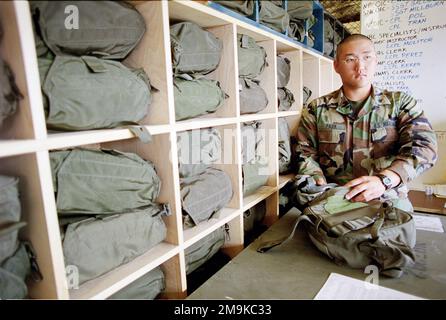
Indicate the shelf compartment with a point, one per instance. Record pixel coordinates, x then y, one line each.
261 194
104 286
311 74
28 121
295 83
326 84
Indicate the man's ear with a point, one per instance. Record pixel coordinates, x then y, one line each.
336 65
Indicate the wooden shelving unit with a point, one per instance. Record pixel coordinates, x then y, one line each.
25 142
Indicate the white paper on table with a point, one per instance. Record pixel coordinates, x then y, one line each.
339 287
428 223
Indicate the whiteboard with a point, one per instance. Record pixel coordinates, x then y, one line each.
410 41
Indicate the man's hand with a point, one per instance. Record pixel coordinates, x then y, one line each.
364 189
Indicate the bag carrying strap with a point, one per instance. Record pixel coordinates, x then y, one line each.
268 245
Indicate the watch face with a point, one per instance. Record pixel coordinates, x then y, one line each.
387 181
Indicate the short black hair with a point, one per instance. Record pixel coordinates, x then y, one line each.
350 38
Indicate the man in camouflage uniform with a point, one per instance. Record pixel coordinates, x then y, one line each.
372 140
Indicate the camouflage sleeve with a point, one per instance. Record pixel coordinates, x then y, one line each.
307 145
418 143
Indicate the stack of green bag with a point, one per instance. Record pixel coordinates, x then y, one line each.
251 63
204 189
274 16
17 258
195 53
254 162
10 93
328 36
285 97
85 86
106 203
299 12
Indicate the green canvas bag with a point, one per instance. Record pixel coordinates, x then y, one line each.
194 50
274 16
358 234
285 99
252 97
306 95
203 195
13 273
300 10
284 145
106 29
251 57
197 149
254 176
251 138
99 244
102 181
245 7
296 30
254 216
201 251
283 71
147 287
89 93
196 96
10 94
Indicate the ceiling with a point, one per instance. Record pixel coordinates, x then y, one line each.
346 11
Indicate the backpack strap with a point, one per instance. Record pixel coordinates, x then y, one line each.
265 246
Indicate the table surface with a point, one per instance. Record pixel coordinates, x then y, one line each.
297 270
430 204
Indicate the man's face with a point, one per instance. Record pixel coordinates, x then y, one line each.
356 63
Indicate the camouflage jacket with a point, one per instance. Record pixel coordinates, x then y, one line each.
389 132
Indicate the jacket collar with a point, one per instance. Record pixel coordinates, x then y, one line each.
339 101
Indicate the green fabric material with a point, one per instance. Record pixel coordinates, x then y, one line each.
252 97
300 10
197 149
13 272
99 244
284 145
204 194
283 71
285 99
201 251
252 141
338 203
107 29
306 95
245 7
194 50
254 216
102 181
88 93
196 97
274 16
251 57
10 93
147 287
254 176
10 212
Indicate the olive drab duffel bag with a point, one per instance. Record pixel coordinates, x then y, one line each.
204 194
284 145
252 97
195 96
99 244
251 57
17 258
102 181
201 251
105 29
285 99
90 93
358 234
197 149
245 7
274 16
10 93
283 71
147 287
194 50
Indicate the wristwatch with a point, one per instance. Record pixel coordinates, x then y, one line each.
387 182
